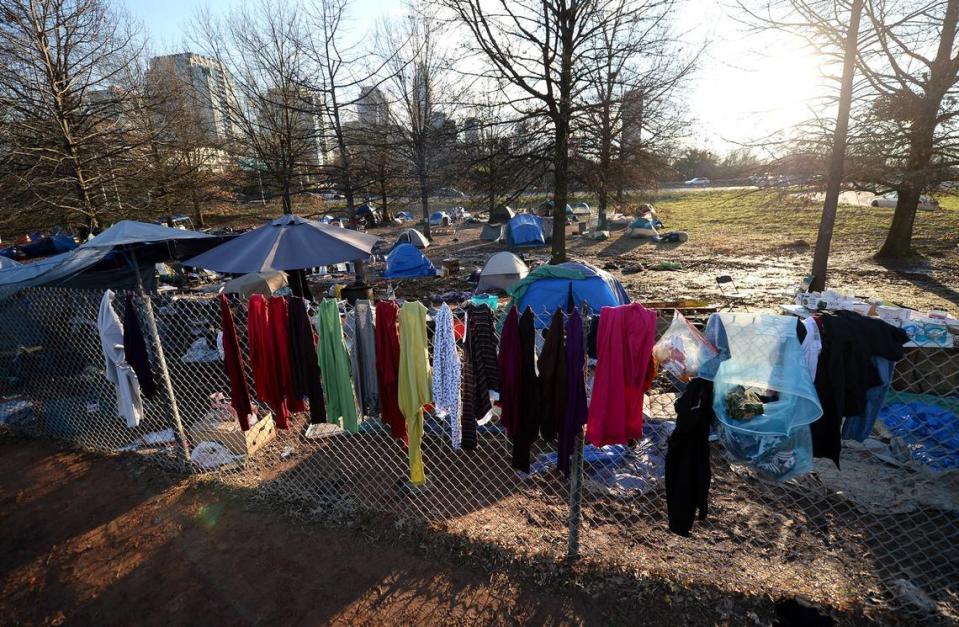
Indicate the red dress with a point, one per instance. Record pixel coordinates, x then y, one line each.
235 368
388 367
280 325
263 360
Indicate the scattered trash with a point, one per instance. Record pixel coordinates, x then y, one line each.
210 455
666 266
911 593
287 451
318 431
634 269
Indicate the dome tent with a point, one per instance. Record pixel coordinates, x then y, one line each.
525 230
501 271
549 287
501 215
265 283
439 218
406 261
414 237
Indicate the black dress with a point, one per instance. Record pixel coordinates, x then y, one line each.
687 457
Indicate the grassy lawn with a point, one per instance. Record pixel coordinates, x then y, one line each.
755 221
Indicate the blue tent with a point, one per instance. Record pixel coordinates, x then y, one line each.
406 261
525 230
548 288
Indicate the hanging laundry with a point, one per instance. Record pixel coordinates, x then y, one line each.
446 372
135 349
552 378
811 344
387 367
280 327
479 372
266 378
235 366
305 373
859 427
414 381
508 368
575 415
846 372
528 418
687 457
364 358
334 363
117 370
624 371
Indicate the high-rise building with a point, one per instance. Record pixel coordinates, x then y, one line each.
306 109
372 108
211 86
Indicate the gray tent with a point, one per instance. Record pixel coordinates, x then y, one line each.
414 237
501 271
492 232
264 283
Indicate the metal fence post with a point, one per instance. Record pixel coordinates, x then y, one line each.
165 375
575 499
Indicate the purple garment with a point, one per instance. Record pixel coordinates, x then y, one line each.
575 416
510 369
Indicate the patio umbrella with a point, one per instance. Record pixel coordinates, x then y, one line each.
287 243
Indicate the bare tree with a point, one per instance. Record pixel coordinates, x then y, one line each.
344 78
271 116
61 65
541 51
913 67
422 90
502 155
633 118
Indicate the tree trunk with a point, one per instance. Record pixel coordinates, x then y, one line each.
561 192
287 198
425 203
834 182
197 211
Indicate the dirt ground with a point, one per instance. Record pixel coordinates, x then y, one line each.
108 540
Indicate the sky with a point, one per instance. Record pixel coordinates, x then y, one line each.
749 86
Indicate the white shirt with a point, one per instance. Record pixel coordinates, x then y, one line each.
129 403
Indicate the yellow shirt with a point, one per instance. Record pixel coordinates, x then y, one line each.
415 389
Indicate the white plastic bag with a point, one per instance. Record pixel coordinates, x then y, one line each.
683 349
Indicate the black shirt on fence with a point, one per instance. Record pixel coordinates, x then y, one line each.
845 372
687 457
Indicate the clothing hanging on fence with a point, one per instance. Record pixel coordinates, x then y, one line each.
135 349
387 367
235 367
575 415
446 372
508 368
859 427
266 376
414 381
117 370
335 367
528 419
624 369
552 378
846 372
479 372
687 457
811 344
305 367
364 358
280 326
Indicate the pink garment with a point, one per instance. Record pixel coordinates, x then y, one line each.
624 346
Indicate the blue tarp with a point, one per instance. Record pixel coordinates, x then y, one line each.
929 432
406 261
41 247
597 289
525 230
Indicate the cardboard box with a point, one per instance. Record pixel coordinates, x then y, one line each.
233 438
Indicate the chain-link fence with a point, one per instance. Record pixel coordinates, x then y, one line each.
881 535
